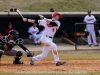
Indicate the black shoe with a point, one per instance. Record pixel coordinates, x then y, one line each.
35 43
38 43
60 63
96 45
90 45
31 62
18 62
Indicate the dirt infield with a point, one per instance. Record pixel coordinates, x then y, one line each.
49 66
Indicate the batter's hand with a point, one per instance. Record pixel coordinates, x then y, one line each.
48 21
41 16
25 19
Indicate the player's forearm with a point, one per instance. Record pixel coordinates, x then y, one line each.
31 20
28 20
84 20
23 47
42 17
29 33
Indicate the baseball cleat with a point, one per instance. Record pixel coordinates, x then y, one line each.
38 43
31 62
90 45
96 45
60 63
18 62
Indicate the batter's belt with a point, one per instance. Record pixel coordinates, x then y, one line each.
49 36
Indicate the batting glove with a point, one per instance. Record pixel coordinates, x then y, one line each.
41 16
25 19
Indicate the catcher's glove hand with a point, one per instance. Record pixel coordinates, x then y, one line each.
3 47
30 54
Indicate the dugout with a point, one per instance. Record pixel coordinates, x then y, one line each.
67 22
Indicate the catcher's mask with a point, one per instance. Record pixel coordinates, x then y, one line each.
14 34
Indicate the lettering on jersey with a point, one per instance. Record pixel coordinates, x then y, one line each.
90 19
54 29
34 32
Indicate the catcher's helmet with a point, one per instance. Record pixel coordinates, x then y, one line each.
56 13
15 33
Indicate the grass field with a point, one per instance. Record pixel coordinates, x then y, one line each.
65 56
45 5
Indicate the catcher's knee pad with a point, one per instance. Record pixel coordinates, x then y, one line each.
19 53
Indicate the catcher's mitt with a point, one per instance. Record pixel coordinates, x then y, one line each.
30 54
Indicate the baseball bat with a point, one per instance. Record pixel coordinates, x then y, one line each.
18 12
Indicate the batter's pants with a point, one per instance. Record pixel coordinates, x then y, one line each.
47 46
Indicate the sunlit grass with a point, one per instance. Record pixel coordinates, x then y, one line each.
63 55
45 5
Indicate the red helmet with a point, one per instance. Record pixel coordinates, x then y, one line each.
56 13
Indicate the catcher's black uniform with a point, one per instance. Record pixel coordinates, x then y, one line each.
10 44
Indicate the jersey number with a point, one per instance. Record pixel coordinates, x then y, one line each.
54 29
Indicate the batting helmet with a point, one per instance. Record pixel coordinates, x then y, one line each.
56 13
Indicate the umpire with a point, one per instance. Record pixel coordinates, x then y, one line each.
8 42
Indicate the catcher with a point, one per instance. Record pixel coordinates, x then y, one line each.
8 42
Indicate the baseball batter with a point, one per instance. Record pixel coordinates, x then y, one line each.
51 26
8 42
34 34
90 28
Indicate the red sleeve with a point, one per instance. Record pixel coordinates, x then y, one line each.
7 31
0 35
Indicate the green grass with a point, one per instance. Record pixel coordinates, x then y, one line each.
45 5
64 55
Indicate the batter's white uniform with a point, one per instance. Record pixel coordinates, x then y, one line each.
90 29
36 37
46 40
